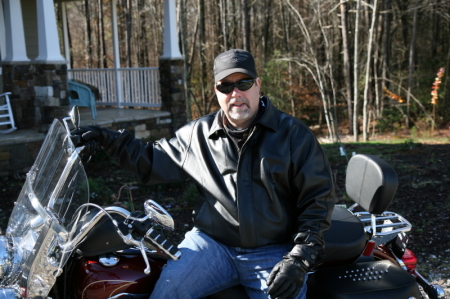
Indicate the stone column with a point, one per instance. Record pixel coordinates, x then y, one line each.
39 93
39 87
172 91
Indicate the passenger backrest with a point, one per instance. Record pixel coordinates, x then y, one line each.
371 182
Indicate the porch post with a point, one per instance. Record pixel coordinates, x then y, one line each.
65 35
48 40
171 48
117 73
2 32
171 70
14 34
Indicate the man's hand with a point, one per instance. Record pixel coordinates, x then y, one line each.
286 279
92 138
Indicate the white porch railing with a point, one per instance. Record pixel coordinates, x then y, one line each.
139 86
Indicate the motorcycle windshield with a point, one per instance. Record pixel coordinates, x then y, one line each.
41 222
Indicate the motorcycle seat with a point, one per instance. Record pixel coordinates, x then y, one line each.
346 237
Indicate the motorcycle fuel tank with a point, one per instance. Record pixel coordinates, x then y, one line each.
126 275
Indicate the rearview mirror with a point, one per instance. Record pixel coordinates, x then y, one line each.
159 215
75 116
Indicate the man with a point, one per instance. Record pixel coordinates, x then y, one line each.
265 190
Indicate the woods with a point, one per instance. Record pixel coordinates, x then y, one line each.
353 67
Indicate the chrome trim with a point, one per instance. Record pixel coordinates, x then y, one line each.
352 207
109 260
392 223
85 229
16 266
159 215
128 295
440 294
434 291
400 261
41 273
6 256
373 224
154 241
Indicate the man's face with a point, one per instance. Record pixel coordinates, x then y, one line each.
240 107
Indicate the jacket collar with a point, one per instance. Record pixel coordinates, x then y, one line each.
269 119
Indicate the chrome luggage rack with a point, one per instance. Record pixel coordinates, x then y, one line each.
386 225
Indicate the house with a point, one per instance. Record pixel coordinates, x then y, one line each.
35 71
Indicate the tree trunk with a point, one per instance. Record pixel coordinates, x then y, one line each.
201 54
223 18
404 25
355 74
369 59
376 71
386 46
266 30
346 67
411 62
104 57
187 81
128 29
245 25
88 34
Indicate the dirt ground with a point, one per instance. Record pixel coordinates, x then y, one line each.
423 196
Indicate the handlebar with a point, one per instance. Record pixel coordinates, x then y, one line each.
141 232
144 226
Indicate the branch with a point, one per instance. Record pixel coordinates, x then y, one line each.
413 97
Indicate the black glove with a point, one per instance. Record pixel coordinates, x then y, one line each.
92 138
286 279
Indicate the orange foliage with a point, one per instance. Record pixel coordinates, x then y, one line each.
436 85
393 96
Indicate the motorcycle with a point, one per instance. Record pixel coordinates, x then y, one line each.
58 245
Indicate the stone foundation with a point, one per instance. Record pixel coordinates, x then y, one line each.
39 93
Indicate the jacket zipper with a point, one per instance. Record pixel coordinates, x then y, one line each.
238 174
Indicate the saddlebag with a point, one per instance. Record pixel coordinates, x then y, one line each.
368 280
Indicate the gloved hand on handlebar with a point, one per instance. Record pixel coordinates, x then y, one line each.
286 279
92 138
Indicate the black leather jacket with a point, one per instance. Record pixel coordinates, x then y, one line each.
278 189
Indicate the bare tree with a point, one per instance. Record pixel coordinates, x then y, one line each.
245 25
411 62
369 59
305 33
223 19
346 67
309 60
186 76
89 42
355 73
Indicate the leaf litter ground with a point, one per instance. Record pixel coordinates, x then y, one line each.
423 196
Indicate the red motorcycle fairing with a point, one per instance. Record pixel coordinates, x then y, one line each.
96 281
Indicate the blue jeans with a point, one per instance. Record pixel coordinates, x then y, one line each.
207 267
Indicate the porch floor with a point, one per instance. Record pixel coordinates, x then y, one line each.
105 117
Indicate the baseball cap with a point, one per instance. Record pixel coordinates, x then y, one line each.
234 61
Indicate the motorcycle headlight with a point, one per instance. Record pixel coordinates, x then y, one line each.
5 256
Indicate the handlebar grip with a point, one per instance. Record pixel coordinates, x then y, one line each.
162 243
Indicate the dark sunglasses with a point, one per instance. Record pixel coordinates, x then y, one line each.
242 85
